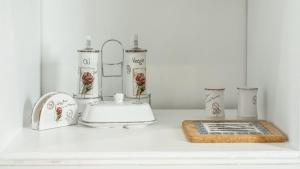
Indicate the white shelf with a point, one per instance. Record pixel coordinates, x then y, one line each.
161 143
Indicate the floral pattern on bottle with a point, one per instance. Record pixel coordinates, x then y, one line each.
87 79
140 80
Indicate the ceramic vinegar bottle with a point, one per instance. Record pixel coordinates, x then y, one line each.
88 72
135 71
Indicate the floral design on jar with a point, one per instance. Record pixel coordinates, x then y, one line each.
58 111
140 80
87 80
128 69
216 110
254 100
50 105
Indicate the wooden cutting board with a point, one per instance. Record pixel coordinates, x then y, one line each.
232 131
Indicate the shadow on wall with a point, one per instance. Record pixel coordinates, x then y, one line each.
27 111
50 76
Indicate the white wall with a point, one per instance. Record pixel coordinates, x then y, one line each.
192 44
274 59
20 64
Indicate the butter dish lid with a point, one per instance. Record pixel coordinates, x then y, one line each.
55 109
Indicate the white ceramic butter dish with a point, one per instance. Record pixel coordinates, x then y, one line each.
117 113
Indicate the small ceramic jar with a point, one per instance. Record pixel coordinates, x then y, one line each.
247 103
214 103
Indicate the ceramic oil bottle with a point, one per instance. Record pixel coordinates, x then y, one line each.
135 71
88 72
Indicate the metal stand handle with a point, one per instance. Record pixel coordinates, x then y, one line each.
111 64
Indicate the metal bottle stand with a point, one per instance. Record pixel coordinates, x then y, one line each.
111 64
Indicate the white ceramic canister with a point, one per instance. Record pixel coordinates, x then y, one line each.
214 102
247 103
88 72
135 71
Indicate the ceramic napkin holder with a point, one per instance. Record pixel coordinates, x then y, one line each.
54 110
